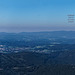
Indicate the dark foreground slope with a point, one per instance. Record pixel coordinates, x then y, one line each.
28 63
41 70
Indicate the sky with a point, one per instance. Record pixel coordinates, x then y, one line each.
36 15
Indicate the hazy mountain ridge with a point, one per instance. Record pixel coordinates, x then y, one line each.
37 41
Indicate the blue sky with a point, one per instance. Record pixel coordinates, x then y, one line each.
35 15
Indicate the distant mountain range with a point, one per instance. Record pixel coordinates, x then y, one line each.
55 40
43 35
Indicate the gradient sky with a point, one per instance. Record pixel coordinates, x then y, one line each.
35 15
